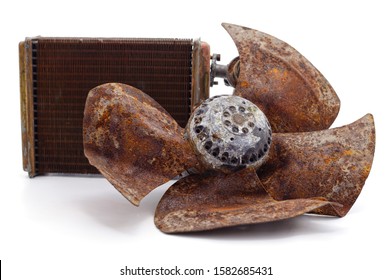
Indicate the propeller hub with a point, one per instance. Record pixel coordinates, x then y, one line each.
229 133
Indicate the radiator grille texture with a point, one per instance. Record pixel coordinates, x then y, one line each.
64 70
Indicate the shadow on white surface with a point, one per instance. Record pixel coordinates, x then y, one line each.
92 204
82 201
290 228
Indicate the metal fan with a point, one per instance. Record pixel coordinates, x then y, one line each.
260 155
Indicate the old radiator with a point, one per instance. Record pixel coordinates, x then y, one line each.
56 75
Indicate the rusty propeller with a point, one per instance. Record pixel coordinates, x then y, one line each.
293 94
132 140
242 174
137 146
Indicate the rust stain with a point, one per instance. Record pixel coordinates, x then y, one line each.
211 201
137 145
244 84
333 164
132 140
348 152
286 86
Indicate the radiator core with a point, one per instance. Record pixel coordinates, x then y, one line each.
57 74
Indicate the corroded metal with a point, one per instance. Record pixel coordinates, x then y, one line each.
136 144
205 202
233 71
52 101
132 140
201 73
229 133
26 102
291 92
333 164
229 72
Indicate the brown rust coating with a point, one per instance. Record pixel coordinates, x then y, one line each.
202 202
201 73
292 93
26 102
333 164
132 140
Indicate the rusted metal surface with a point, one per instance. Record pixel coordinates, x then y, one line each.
56 75
229 133
138 146
333 164
233 71
23 103
26 69
201 73
132 140
292 93
205 202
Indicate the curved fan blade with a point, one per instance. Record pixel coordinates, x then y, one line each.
292 93
202 202
132 140
333 164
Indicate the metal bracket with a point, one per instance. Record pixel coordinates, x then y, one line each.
228 72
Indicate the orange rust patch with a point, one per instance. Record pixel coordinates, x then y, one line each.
348 152
244 84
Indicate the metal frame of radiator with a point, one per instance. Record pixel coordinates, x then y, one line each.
54 82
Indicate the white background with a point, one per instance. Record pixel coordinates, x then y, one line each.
82 228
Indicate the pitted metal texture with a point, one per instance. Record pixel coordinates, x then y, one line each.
229 133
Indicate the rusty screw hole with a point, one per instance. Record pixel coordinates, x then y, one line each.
235 129
250 124
215 152
208 145
245 159
226 114
227 123
253 158
245 130
198 129
224 157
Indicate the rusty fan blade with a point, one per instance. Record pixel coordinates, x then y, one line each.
132 140
292 93
205 202
333 164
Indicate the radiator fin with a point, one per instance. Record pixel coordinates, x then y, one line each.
64 70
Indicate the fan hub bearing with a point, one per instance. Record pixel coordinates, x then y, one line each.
229 133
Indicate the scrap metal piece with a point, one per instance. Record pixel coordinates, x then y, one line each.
205 202
229 133
291 92
57 73
201 73
132 140
333 164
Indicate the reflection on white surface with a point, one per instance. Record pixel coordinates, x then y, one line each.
93 203
90 201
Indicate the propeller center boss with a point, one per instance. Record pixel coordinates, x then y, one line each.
229 133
